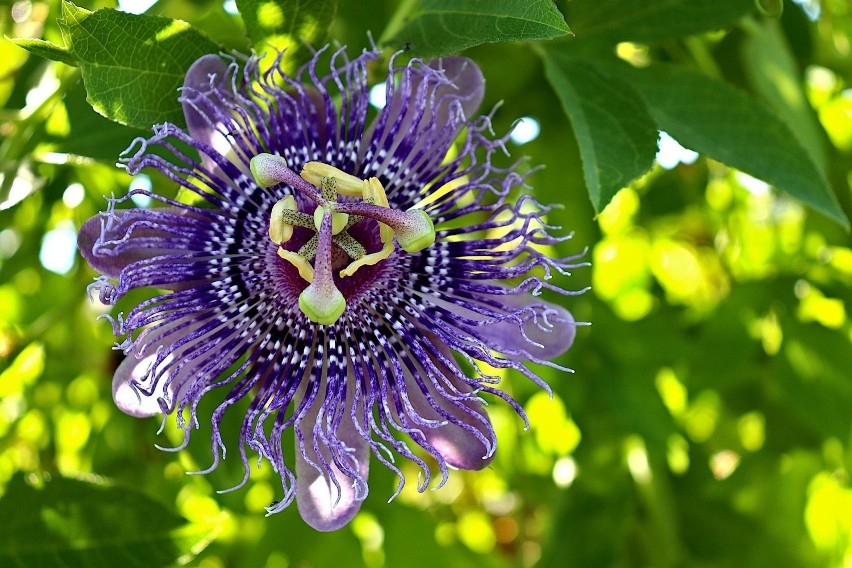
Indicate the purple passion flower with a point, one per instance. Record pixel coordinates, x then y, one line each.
331 269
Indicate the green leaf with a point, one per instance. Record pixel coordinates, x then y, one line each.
91 135
774 75
132 65
47 50
439 27
719 121
287 24
651 20
70 522
616 135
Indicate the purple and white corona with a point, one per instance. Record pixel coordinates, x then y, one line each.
332 269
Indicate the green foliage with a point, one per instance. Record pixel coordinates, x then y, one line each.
773 73
708 116
84 523
617 137
131 65
773 8
707 423
47 50
610 21
439 27
722 123
280 24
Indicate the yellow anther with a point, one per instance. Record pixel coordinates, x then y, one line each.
347 184
279 230
338 220
306 271
374 190
368 260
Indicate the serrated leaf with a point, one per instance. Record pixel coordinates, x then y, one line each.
71 522
439 27
651 20
47 50
719 121
286 23
132 65
774 75
616 135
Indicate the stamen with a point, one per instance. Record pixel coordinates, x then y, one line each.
328 185
352 247
309 249
280 224
367 260
374 193
306 271
413 229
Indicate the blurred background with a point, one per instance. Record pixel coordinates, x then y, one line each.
709 420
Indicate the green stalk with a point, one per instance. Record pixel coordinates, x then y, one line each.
398 20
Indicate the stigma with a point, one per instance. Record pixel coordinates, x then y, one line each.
331 220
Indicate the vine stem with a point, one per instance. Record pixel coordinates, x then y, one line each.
397 20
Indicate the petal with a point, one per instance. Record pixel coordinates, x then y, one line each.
86 240
421 114
203 87
137 240
131 401
206 73
460 447
548 328
555 339
467 79
317 497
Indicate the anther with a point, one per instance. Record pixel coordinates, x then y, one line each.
373 193
280 230
413 229
306 271
347 184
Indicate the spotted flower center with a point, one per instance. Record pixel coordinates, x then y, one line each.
321 301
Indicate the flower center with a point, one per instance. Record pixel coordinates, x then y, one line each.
321 301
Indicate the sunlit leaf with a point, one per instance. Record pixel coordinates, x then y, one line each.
438 27
617 137
651 20
774 74
47 50
286 23
71 522
132 64
716 120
